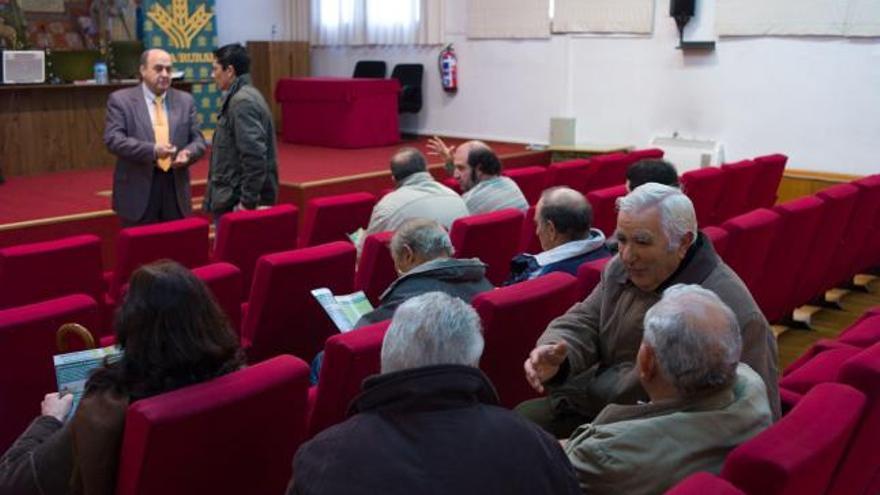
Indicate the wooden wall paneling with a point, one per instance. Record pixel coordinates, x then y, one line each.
273 60
799 183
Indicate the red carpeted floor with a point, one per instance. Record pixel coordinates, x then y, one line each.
60 194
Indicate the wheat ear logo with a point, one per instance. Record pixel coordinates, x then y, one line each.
178 24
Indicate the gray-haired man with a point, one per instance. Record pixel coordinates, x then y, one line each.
703 402
430 423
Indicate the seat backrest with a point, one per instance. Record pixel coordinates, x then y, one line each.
35 272
589 275
750 237
410 77
184 241
373 69
492 237
282 315
27 344
766 185
349 358
246 235
375 270
224 280
841 266
703 186
332 218
604 203
647 153
798 454
513 318
860 470
233 434
528 240
452 183
610 170
801 223
531 181
839 203
863 333
718 237
738 180
704 483
571 173
869 255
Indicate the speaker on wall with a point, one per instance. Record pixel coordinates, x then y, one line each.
682 8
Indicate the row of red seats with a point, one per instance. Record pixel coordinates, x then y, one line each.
826 441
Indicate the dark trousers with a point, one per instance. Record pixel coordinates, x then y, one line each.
162 205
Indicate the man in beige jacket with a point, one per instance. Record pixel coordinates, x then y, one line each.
703 402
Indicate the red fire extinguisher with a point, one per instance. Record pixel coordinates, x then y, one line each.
449 69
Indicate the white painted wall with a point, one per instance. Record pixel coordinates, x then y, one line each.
243 20
816 100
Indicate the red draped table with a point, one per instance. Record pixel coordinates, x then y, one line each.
338 112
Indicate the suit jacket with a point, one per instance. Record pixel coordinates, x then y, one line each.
128 134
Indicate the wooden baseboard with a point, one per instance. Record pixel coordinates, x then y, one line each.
799 183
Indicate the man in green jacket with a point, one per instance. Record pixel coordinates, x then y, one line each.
244 163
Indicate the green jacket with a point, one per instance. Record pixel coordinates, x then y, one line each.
244 163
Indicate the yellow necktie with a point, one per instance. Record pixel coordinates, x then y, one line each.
160 129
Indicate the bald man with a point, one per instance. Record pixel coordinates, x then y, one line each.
563 221
153 131
478 172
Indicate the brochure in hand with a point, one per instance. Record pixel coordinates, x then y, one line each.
73 369
345 310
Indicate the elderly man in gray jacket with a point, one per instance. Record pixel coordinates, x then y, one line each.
703 402
585 357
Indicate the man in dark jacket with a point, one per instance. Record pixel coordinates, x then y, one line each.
244 169
430 422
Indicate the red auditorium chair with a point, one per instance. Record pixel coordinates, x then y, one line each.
245 235
572 173
704 483
224 280
704 186
718 237
282 316
589 275
863 333
375 270
764 191
869 256
839 203
799 453
610 170
349 358
451 183
799 224
738 179
841 266
332 218
492 237
821 363
35 272
233 434
750 237
531 181
27 344
604 203
513 318
528 240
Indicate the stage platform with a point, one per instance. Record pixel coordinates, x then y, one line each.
60 204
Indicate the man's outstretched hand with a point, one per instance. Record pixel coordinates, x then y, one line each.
543 364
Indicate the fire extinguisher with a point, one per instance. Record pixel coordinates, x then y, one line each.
449 69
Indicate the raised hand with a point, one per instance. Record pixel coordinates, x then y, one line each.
436 146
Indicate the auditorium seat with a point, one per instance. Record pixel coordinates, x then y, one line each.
31 273
704 186
332 218
282 316
492 237
233 434
571 173
528 240
864 332
841 266
704 483
821 363
451 183
604 203
589 275
610 170
869 255
224 281
349 358
767 185
513 318
245 235
531 181
375 270
750 237
27 344
799 453
645 154
839 203
799 224
718 237
739 177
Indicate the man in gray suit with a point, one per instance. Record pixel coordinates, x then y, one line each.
153 131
